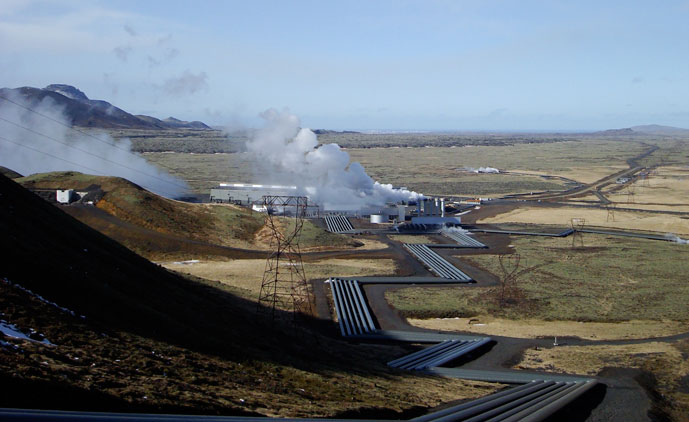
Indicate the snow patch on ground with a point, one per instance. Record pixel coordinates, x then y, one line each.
41 298
11 330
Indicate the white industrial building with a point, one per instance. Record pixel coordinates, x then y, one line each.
64 196
251 195
431 211
248 194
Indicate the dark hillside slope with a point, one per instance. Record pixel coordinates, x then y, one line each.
9 173
69 263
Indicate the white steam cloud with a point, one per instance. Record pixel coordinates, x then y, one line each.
677 239
285 153
482 170
28 151
457 230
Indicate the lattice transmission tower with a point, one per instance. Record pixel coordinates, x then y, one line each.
630 193
611 211
284 287
578 225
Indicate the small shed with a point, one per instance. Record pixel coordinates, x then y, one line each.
65 196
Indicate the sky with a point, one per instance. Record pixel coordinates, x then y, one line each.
363 65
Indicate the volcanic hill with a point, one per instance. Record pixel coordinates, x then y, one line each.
82 111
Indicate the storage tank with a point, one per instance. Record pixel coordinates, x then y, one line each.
377 218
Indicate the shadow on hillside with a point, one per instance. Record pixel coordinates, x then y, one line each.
77 267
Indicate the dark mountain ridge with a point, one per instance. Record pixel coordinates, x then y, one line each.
85 112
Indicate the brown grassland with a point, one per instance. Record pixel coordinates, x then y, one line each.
666 361
247 274
598 217
606 281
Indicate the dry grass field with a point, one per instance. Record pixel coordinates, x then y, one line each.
536 328
414 239
668 362
247 274
608 280
204 171
562 216
667 188
442 170
436 170
582 174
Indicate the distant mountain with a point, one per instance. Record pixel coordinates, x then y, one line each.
327 131
660 130
645 130
85 112
617 132
171 121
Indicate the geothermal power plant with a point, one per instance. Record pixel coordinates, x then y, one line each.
427 211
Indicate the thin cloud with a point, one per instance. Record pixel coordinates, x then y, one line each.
171 53
122 52
186 84
131 31
72 30
164 40
110 83
498 112
167 56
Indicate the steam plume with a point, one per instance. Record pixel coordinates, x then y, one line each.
285 153
677 239
37 153
457 230
482 170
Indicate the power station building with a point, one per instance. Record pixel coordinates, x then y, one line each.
248 194
429 211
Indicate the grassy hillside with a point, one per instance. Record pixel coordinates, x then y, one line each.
151 340
216 224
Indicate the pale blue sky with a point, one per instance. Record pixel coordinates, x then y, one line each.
407 65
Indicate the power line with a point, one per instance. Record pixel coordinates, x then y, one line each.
92 154
128 151
55 156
